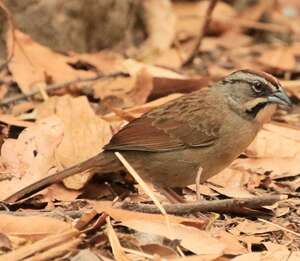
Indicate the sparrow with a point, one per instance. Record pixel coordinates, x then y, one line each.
205 129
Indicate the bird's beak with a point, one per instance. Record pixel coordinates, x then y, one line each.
280 97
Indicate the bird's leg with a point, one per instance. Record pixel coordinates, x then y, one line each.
170 194
197 181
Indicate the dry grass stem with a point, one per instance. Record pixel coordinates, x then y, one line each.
143 185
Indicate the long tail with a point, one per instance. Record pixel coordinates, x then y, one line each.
102 162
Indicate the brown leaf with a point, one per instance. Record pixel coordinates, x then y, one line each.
293 87
190 16
131 91
31 156
142 88
106 61
137 111
31 61
160 250
232 244
276 148
212 257
5 243
275 140
231 182
31 227
160 25
279 58
275 255
195 240
84 133
14 121
251 228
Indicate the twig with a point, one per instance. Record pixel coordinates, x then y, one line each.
56 86
144 186
204 28
41 245
226 205
280 227
58 214
117 249
197 181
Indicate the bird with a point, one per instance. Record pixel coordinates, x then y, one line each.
206 129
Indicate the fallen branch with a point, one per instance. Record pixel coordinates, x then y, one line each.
204 29
60 85
221 206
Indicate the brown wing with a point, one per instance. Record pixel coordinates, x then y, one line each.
192 120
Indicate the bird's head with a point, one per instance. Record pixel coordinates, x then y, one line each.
254 94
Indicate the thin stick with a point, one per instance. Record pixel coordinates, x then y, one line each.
198 179
204 28
281 227
221 206
117 249
138 253
140 181
60 85
145 187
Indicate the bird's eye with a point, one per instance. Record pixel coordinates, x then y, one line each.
258 87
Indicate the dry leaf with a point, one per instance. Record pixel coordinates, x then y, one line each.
54 245
190 16
276 148
232 244
231 182
293 87
31 227
272 246
240 40
161 250
84 133
251 228
199 258
106 61
246 257
14 121
22 107
132 90
279 57
195 240
31 156
275 141
276 255
115 243
5 242
31 63
133 67
160 25
137 111
87 255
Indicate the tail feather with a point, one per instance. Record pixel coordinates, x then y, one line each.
102 163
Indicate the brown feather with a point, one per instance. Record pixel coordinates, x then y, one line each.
174 125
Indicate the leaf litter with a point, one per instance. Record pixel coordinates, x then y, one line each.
55 129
